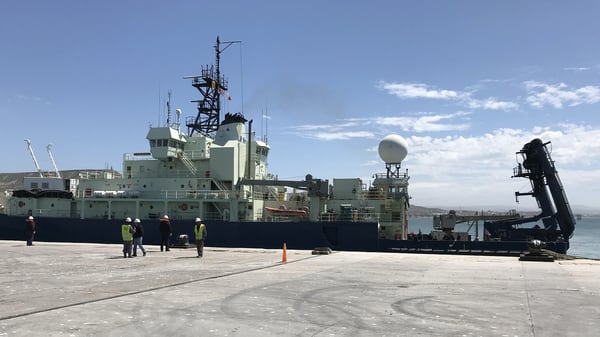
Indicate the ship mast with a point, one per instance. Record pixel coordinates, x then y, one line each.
211 85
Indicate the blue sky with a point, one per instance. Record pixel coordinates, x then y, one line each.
466 83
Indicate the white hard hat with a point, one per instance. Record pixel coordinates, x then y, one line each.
165 216
136 220
30 218
198 220
128 219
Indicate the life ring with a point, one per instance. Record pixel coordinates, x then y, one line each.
184 207
21 204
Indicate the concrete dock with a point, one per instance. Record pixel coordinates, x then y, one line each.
68 289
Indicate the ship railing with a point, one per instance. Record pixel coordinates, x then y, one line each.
354 216
42 212
160 195
196 155
265 195
99 174
138 156
190 194
152 174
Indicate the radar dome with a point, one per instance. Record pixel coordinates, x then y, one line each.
393 149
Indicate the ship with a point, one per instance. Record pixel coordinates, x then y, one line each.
213 167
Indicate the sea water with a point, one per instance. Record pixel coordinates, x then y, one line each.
584 243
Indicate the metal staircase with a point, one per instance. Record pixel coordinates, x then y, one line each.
188 163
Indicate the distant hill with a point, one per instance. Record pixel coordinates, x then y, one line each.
424 211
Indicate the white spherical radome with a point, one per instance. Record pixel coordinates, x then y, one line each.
393 149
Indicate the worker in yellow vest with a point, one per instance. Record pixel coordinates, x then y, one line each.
127 231
200 233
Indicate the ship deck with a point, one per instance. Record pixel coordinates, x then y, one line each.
68 289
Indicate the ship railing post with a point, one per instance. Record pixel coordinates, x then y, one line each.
82 215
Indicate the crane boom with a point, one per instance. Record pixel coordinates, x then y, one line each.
49 148
546 187
37 166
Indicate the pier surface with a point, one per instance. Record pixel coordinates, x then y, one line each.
68 289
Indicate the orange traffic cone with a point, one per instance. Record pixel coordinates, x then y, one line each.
284 257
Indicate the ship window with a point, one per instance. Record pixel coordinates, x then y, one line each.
45 185
34 185
152 142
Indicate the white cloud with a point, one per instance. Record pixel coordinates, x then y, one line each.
476 170
470 171
426 123
490 104
359 128
417 90
420 90
558 95
576 69
342 135
35 99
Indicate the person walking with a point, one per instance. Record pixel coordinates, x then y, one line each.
165 232
200 234
29 230
127 231
138 237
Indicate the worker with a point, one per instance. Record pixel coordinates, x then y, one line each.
165 232
200 233
127 231
29 230
138 237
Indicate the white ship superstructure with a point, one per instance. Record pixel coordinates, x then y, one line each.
184 176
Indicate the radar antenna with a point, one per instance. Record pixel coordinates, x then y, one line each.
49 148
211 85
37 166
169 108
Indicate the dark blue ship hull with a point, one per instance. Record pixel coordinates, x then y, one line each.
338 235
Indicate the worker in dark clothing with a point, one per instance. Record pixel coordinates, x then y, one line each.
138 237
165 232
127 230
200 234
29 230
